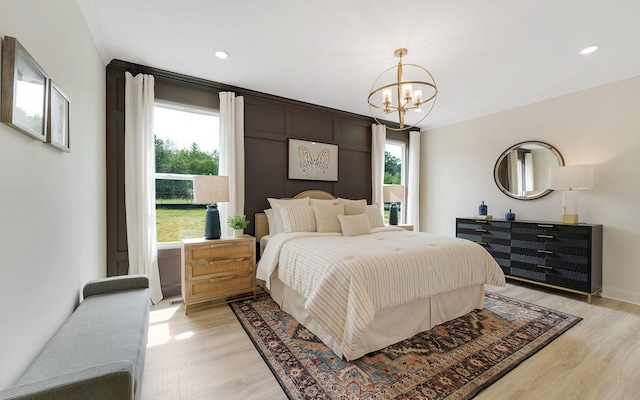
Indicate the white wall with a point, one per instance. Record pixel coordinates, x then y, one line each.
599 126
52 204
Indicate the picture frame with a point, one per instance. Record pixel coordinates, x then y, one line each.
23 104
310 160
58 122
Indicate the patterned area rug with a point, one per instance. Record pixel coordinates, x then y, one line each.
454 360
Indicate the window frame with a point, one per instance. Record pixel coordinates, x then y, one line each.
183 107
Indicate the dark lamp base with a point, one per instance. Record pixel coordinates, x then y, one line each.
393 214
212 223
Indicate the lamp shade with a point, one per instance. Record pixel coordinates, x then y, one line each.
571 177
392 193
208 189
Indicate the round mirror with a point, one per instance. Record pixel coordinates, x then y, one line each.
522 171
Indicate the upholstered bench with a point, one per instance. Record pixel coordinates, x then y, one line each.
98 353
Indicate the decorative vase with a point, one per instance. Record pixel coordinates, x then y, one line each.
238 232
482 209
510 216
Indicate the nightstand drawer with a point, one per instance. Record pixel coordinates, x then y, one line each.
219 250
228 266
220 286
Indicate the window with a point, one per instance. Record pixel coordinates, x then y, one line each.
394 166
186 144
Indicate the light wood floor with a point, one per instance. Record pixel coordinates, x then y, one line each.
207 354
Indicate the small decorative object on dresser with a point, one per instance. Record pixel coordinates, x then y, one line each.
482 209
556 255
217 272
238 223
510 216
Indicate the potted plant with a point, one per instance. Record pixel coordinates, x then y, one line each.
238 223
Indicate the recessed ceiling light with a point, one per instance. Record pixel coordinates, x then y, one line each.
589 50
223 55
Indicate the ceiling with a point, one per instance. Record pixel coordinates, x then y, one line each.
486 56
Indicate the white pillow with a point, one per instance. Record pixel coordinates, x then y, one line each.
274 220
323 202
353 207
276 205
354 225
374 215
298 219
327 217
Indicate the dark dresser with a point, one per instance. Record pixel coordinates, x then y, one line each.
553 254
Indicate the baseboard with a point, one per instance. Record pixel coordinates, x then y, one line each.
621 294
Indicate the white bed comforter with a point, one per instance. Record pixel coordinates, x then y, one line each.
347 279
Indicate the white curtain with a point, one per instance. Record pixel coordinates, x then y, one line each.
413 184
231 156
139 180
379 137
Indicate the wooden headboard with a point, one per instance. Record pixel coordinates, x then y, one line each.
262 226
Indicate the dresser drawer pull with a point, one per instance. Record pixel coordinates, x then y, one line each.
545 251
544 266
482 243
226 260
481 230
544 226
480 221
545 236
222 278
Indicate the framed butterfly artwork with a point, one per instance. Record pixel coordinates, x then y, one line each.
314 161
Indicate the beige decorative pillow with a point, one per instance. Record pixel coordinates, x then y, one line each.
323 202
327 217
354 225
298 219
353 207
374 215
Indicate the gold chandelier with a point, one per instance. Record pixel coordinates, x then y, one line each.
403 95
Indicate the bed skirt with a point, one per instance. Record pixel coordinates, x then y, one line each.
390 325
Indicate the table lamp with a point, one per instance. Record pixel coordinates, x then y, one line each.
211 189
570 178
393 194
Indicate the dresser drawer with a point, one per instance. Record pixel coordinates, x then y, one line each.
209 269
219 250
219 287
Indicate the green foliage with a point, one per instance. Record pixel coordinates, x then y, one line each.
238 222
192 161
392 169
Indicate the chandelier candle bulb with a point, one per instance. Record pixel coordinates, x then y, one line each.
417 97
386 96
407 92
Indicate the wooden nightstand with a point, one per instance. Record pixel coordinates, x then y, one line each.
217 271
405 226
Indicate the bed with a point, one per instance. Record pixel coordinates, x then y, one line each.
360 293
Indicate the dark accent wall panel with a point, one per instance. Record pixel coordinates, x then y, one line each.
311 127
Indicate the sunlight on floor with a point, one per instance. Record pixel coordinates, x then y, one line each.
159 332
